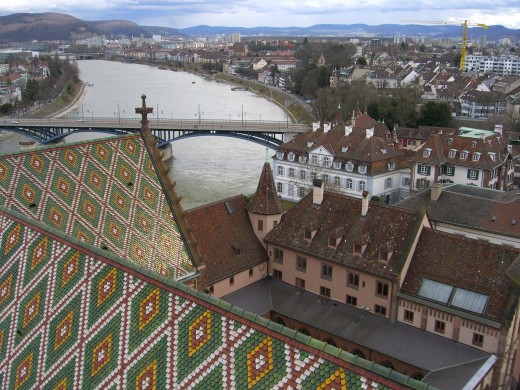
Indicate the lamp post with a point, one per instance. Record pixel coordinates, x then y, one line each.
242 115
198 108
118 114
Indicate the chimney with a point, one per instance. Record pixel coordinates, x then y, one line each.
317 192
364 204
315 126
370 133
436 191
498 129
353 121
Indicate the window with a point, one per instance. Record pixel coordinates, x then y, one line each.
450 170
314 159
337 165
422 184
353 280
406 182
307 234
440 326
303 174
391 166
278 255
290 156
463 155
473 174
381 310
408 316
384 256
279 155
326 161
301 192
292 172
361 186
349 184
300 283
358 249
382 289
427 152
326 271
492 156
325 292
280 170
337 181
351 300
423 169
333 242
275 223
349 166
301 263
302 159
362 169
279 188
452 153
478 339
231 280
277 273
250 272
325 178
388 182
260 225
476 156
450 141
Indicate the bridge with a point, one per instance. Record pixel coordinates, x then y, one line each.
49 130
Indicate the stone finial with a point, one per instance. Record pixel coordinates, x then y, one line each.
144 111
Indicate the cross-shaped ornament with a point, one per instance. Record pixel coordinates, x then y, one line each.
144 111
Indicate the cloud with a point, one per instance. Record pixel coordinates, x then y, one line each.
250 13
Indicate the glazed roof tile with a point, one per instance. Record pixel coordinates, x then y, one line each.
105 192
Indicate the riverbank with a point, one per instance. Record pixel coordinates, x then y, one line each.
66 102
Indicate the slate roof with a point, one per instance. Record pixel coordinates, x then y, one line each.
266 200
472 207
422 132
382 227
473 265
225 222
359 326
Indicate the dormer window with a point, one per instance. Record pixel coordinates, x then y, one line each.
290 156
309 234
337 165
474 144
310 143
463 155
279 155
383 150
302 159
333 242
362 169
391 166
357 249
349 167
384 255
344 149
427 152
314 159
492 156
450 141
326 162
452 153
476 156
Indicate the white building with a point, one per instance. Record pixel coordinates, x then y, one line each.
503 65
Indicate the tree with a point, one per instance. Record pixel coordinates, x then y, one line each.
436 114
362 61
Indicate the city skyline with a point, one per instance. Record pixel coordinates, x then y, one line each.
289 13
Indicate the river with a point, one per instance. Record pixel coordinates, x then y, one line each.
206 169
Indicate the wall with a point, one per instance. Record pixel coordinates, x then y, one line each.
241 280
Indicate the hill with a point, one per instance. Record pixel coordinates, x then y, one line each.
61 27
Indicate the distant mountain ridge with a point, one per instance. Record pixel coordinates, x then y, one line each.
26 27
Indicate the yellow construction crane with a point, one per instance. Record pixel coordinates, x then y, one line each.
464 24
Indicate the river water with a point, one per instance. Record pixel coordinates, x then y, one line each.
206 169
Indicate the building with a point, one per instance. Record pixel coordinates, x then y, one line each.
502 65
97 265
467 156
350 159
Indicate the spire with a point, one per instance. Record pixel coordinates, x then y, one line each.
266 200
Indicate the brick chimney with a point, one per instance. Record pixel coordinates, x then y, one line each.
364 204
317 192
435 192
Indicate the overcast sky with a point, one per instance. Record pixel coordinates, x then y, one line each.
275 13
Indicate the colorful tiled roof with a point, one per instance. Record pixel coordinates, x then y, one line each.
72 318
103 192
